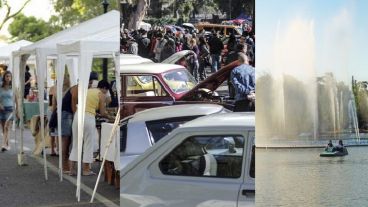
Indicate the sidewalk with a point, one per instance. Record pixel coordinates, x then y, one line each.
26 185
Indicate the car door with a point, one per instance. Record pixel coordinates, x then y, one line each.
142 91
247 189
208 175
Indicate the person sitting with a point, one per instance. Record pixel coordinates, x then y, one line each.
329 146
339 147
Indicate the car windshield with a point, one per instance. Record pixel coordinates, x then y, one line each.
145 79
179 81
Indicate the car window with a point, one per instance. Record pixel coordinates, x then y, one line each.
160 128
251 135
144 85
123 135
179 81
206 156
252 163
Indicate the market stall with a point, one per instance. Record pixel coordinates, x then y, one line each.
104 44
46 49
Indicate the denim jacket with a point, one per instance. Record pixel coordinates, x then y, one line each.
243 79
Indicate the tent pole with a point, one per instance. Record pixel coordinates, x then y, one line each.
112 135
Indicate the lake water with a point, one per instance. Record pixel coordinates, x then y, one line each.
299 177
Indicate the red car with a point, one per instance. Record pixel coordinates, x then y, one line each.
155 84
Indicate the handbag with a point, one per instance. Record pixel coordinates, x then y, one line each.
53 120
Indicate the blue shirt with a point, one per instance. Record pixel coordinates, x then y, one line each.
243 79
6 97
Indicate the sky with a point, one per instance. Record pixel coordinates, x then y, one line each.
39 8
312 37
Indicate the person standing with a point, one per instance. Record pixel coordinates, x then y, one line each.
216 47
243 79
6 108
194 59
203 54
133 46
3 69
159 46
233 56
143 45
96 100
168 50
51 109
27 83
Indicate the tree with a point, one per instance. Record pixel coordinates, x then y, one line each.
134 12
31 28
9 14
72 12
236 7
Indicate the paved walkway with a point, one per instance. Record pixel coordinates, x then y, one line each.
26 185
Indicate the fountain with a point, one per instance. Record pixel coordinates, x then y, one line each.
296 103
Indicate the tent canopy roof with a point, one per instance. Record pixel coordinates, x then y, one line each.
89 27
101 44
6 51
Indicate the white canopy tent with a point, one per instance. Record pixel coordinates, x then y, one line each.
6 51
46 48
100 45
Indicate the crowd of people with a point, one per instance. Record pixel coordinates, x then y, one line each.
209 50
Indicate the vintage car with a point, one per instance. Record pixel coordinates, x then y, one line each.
156 84
129 59
207 162
143 129
222 28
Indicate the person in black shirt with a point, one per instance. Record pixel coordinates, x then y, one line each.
216 47
27 82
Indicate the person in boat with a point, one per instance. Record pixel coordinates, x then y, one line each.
329 146
339 147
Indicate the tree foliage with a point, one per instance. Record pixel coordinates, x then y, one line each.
72 12
31 28
360 90
237 7
9 12
187 9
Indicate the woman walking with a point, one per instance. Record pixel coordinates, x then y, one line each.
6 108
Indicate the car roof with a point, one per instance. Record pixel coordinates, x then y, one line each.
183 110
129 59
237 119
149 68
216 25
177 56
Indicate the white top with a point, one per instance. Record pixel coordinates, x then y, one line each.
150 68
176 111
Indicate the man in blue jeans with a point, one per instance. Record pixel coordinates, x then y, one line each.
243 79
216 47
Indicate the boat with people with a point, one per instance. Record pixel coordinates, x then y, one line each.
334 151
